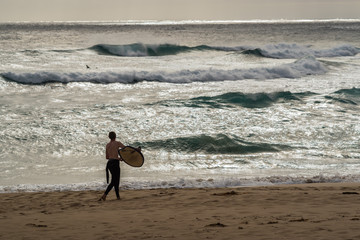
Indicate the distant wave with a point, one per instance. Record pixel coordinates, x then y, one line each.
232 99
278 51
250 100
299 68
289 51
141 50
345 96
218 144
349 92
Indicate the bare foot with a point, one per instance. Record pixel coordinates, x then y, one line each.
103 198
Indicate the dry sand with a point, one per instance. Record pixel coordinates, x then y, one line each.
310 211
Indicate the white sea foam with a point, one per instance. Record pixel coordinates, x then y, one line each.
300 68
284 50
184 183
53 136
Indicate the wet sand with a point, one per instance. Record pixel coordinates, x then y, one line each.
309 211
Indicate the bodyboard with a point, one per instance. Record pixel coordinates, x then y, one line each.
131 156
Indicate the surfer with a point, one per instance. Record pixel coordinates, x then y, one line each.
113 165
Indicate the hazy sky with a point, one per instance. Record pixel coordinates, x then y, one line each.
93 10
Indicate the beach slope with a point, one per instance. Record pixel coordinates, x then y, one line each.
309 211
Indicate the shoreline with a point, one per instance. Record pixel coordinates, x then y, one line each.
297 211
194 183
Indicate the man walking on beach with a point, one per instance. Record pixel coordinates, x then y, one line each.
113 165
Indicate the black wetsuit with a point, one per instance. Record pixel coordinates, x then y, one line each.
114 166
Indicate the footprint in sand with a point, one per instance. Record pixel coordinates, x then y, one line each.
35 225
76 205
216 225
226 194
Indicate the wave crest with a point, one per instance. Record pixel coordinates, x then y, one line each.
141 50
278 51
355 92
233 99
218 144
300 68
289 51
249 100
345 96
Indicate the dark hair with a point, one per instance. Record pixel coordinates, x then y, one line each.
112 135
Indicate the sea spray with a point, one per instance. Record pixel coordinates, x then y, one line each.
280 50
299 68
289 51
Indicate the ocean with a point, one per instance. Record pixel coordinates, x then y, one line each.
212 104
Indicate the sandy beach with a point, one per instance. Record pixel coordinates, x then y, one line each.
309 211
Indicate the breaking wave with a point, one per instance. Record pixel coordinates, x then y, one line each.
141 50
345 96
249 100
289 51
355 92
278 51
218 144
302 67
233 99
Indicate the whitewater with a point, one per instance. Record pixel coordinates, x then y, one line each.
213 104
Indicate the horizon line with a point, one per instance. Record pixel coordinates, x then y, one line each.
185 22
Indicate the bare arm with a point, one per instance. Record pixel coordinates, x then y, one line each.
121 145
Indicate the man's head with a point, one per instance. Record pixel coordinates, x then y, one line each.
112 135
